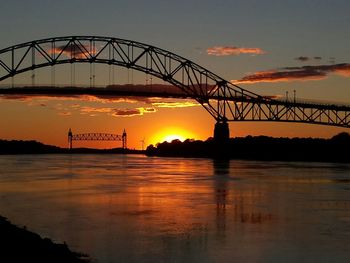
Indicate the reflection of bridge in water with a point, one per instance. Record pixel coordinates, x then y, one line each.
222 99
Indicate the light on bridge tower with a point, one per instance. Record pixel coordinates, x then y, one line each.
221 131
70 135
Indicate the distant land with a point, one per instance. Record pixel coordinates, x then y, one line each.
335 149
34 147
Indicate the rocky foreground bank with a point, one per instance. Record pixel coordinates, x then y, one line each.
20 245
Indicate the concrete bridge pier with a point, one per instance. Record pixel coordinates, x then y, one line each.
221 131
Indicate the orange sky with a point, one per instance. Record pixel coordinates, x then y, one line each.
48 120
152 120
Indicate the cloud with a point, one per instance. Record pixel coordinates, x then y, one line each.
278 76
90 98
126 112
297 73
132 112
93 111
147 110
74 50
229 51
126 93
304 58
175 104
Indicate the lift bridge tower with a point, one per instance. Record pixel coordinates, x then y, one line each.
97 137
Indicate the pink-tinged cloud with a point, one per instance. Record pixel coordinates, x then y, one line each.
74 51
297 73
230 51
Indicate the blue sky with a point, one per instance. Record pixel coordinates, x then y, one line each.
284 29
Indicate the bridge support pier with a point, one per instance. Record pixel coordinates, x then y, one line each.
221 131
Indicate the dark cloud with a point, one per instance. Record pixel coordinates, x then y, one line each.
132 112
302 58
111 93
305 59
126 112
297 73
332 60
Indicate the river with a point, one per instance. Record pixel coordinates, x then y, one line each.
132 208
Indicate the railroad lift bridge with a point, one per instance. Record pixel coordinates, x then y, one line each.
97 137
223 100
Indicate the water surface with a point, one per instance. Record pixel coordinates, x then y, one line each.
133 208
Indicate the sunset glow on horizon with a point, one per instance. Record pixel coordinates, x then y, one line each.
171 133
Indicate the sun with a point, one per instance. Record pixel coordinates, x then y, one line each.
171 137
170 134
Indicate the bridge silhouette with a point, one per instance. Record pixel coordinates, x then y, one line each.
223 100
97 137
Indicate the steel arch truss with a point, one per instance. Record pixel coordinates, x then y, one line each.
298 111
222 99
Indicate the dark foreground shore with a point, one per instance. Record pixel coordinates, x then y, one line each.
20 245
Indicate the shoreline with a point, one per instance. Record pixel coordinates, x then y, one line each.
260 148
17 147
21 245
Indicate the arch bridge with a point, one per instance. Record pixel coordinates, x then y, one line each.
223 100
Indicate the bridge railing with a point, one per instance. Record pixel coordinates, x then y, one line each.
313 102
